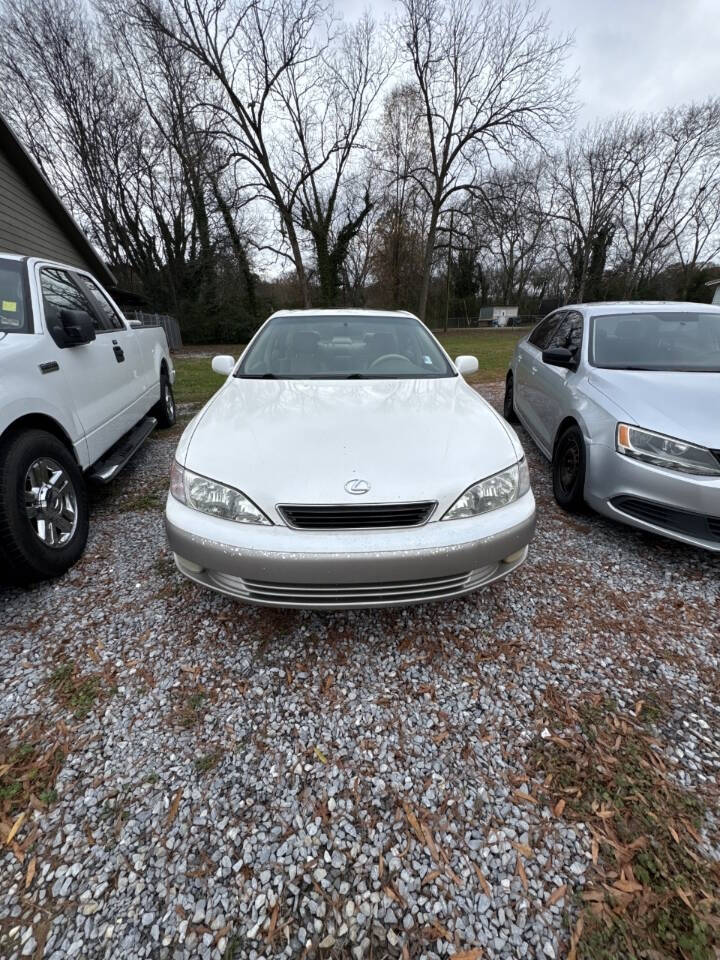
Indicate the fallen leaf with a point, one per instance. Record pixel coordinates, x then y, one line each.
320 755
174 806
557 894
521 873
473 954
487 889
30 872
525 850
628 886
15 827
595 850
559 807
575 939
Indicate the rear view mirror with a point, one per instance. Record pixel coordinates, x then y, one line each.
75 327
466 365
223 365
560 357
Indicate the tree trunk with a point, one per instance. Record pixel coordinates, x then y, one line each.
428 260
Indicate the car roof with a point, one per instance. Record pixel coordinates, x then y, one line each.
640 306
12 256
344 312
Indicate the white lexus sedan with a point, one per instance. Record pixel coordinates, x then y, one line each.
346 463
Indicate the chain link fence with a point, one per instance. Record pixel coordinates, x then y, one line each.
169 325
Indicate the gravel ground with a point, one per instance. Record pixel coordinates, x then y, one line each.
242 782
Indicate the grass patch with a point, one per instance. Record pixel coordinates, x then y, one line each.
77 691
653 893
73 690
208 761
28 768
196 383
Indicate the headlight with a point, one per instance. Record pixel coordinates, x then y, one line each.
211 497
666 452
489 494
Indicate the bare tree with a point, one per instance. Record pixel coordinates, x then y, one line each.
589 180
489 74
666 154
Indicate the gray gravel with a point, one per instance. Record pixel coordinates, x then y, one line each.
254 783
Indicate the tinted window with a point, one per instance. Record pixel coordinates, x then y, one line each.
540 337
680 340
329 347
101 303
59 292
568 332
14 304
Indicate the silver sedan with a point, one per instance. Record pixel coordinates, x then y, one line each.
346 463
623 399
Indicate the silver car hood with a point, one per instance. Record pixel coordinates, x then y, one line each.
300 441
682 405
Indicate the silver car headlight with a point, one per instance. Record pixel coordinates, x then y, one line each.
211 497
493 492
666 452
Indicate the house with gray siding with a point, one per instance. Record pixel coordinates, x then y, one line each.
33 219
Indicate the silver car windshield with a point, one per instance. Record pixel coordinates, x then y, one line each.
684 340
14 309
341 347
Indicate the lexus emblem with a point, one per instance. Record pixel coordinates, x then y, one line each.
357 486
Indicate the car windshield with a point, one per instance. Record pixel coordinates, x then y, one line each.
14 310
682 340
340 347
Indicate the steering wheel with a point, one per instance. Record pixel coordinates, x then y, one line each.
388 356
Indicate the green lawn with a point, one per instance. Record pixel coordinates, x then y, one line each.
196 382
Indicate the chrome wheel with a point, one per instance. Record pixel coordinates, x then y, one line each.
169 402
50 502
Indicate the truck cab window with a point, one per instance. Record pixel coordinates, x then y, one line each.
101 304
60 292
14 305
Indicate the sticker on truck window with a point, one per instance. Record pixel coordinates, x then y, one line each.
9 306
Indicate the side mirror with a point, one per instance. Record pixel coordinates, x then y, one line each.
75 328
560 357
466 365
223 365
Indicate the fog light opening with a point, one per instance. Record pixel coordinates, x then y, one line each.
515 557
188 565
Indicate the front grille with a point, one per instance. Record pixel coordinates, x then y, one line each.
353 594
357 516
670 518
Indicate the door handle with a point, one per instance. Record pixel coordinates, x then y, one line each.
118 351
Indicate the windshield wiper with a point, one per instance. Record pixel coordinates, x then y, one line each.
356 376
256 376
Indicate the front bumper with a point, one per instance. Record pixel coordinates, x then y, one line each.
615 482
282 567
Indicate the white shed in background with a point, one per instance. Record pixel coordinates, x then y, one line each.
716 293
497 316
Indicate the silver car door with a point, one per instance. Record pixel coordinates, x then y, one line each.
527 392
555 383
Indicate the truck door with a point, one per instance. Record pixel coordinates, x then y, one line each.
94 372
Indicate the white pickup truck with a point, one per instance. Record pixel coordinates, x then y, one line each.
80 390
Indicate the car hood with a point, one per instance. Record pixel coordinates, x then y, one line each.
682 405
301 441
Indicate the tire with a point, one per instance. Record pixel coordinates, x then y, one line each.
39 474
508 406
164 409
568 470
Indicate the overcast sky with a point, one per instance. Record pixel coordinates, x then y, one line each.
632 54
